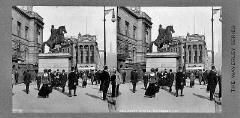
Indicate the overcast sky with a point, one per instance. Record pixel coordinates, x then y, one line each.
182 19
89 20
77 19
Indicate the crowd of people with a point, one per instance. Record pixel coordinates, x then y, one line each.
153 81
49 80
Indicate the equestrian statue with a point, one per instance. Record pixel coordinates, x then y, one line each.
56 38
164 37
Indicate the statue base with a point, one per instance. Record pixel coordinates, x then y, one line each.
54 61
162 60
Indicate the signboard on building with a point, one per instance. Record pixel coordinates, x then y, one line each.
86 66
194 66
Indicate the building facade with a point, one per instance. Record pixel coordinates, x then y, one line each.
133 36
27 37
192 50
84 51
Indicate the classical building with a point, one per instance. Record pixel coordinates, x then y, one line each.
27 37
133 36
195 53
84 51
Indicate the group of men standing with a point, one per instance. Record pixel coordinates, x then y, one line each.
155 80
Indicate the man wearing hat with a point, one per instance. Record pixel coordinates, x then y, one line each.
212 81
27 80
134 79
105 77
72 82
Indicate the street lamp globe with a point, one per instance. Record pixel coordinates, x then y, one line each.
113 17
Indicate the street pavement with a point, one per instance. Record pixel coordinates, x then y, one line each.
195 100
89 100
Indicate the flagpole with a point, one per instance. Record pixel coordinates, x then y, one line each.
212 38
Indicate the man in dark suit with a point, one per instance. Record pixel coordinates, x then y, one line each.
179 81
105 77
170 79
212 81
72 82
134 79
63 80
27 80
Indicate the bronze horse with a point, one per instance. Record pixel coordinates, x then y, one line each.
57 37
165 39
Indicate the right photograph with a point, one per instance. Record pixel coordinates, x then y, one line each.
170 59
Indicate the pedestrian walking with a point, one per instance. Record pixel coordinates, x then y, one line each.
212 81
170 79
57 75
63 80
113 82
159 79
118 81
124 76
84 80
179 81
200 77
45 89
101 81
27 80
97 76
192 78
92 76
38 79
145 79
152 88
16 75
205 73
105 81
72 82
134 79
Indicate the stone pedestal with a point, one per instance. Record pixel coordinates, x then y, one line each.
162 60
54 61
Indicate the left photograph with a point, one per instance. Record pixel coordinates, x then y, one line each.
59 55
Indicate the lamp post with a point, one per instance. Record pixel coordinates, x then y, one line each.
212 40
106 11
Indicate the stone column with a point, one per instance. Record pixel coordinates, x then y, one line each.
198 53
89 54
187 54
193 53
79 54
84 54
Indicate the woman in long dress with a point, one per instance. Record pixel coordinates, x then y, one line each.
45 89
151 89
84 79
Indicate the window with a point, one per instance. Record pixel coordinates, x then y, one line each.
92 52
68 50
26 32
118 24
38 33
127 28
200 57
195 57
134 32
19 29
81 51
189 57
146 35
